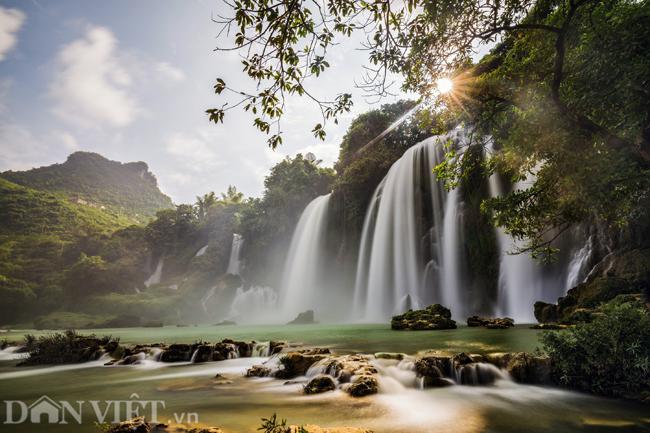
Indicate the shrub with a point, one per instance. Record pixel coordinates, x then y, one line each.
608 356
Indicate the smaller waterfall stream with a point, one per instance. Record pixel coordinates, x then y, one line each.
156 276
301 288
234 264
254 305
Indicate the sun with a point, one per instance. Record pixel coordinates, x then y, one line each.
445 85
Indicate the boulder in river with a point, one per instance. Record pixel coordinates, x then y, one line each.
363 385
320 383
258 371
177 353
295 364
490 322
304 318
433 317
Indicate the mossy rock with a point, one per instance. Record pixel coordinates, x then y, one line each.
433 317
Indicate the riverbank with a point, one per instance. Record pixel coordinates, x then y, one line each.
220 394
344 338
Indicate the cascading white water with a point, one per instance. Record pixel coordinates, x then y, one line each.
156 276
451 236
304 266
405 263
234 264
391 273
523 280
254 305
578 265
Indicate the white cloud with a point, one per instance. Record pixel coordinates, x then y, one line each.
19 149
92 84
327 152
68 140
169 72
11 20
197 151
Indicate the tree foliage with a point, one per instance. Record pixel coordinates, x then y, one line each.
609 356
563 94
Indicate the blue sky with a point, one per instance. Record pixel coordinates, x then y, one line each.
131 80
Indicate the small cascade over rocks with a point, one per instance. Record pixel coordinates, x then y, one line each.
156 277
304 269
234 263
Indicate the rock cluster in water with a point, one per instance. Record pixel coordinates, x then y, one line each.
197 352
353 374
490 322
432 317
471 369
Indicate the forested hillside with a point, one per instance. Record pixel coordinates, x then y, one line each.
89 178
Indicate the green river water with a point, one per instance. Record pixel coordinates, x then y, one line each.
236 403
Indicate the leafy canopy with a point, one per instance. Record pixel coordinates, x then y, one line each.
563 93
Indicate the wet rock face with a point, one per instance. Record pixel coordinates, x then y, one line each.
320 383
433 317
491 323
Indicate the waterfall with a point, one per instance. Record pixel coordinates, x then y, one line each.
234 263
412 251
255 305
523 280
578 265
156 276
301 288
394 267
202 251
204 300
